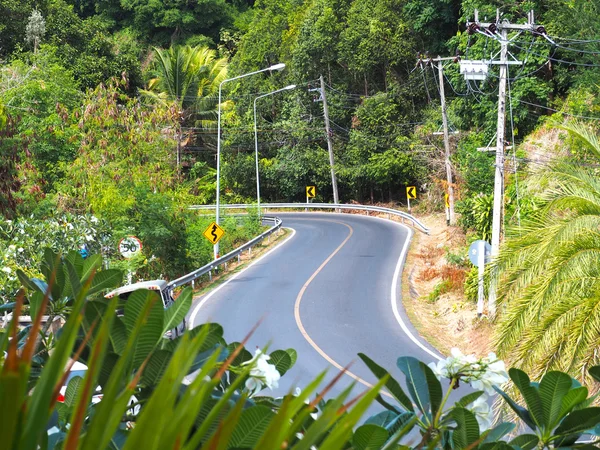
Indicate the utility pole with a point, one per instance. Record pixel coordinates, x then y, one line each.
446 139
336 198
499 30
450 217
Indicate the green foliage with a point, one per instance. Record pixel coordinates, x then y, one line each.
476 213
547 271
439 289
124 148
22 244
471 286
42 92
129 360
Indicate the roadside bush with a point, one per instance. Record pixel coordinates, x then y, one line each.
22 243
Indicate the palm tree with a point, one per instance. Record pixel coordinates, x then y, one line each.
549 275
188 78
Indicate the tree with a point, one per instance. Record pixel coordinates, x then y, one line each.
549 272
188 78
35 30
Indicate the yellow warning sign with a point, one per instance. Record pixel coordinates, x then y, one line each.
311 191
214 233
446 197
411 192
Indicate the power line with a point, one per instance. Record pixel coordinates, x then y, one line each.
557 111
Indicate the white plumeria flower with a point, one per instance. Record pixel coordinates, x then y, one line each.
482 373
262 372
6 269
439 369
94 219
482 412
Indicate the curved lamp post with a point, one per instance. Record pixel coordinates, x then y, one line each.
287 88
279 66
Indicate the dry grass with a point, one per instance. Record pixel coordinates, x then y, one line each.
433 291
455 276
429 273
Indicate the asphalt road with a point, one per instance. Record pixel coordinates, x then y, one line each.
330 291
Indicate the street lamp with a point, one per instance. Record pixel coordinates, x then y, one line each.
279 66
287 88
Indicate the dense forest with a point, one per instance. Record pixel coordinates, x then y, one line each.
108 124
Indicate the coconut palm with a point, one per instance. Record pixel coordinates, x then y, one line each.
549 275
188 78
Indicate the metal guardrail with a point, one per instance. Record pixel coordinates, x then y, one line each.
416 223
213 265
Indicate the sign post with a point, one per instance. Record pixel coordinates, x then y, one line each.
411 194
129 246
214 233
446 200
311 192
479 254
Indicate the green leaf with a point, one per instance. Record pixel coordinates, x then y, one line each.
343 428
392 385
293 355
369 437
33 284
253 422
553 388
467 430
495 446
73 389
91 264
595 372
281 360
423 386
118 335
8 306
72 279
499 431
469 398
518 409
105 279
177 311
573 398
525 441
146 304
156 366
35 303
578 421
385 419
530 394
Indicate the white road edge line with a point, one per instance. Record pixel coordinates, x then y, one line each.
394 296
233 277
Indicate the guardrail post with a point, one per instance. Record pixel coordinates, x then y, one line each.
238 257
193 285
249 251
210 275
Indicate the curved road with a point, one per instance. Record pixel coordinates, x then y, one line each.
330 291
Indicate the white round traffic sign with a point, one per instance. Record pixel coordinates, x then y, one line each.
475 249
130 245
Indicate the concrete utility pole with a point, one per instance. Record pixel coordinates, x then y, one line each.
499 30
336 198
498 212
446 139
